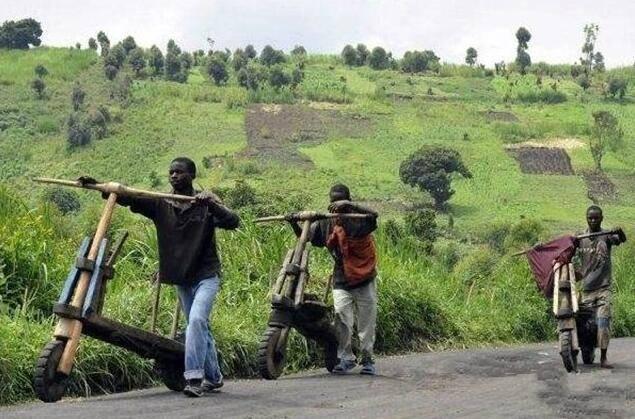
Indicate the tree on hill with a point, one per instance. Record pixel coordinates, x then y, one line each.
278 77
92 43
38 87
298 50
598 62
155 59
116 56
252 75
523 60
379 59
470 56
40 71
606 135
270 56
239 59
110 71
79 132
250 51
187 60
588 48
78 46
430 169
77 96
173 66
617 87
104 43
217 69
20 34
128 44
349 55
363 54
137 60
419 61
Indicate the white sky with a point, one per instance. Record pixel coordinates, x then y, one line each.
448 27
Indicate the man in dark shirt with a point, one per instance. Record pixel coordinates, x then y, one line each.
346 295
188 259
594 269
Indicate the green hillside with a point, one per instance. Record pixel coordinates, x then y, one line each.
340 124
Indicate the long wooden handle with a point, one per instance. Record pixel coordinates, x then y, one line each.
309 216
114 187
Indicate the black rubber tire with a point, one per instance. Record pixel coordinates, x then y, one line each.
48 384
270 360
588 355
330 356
569 358
171 374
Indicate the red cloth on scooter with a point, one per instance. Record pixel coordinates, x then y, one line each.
542 258
359 257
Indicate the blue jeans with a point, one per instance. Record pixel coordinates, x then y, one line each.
197 300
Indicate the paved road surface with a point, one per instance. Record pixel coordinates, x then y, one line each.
521 382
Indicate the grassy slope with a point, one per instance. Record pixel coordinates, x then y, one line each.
422 298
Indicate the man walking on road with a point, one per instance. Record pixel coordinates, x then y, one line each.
188 258
352 247
595 272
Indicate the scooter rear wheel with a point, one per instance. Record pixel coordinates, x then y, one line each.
48 383
569 357
588 355
171 374
272 353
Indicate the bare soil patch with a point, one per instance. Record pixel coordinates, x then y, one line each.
274 132
565 143
542 160
599 186
500 116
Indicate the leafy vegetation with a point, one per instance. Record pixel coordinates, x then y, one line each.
446 298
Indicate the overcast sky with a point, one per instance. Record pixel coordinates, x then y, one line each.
448 27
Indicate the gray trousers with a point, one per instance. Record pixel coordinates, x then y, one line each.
364 299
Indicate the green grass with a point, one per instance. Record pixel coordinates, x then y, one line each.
464 294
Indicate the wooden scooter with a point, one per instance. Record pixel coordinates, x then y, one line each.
292 307
81 301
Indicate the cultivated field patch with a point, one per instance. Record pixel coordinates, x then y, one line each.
274 131
542 160
599 186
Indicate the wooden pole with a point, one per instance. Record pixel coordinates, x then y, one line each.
175 320
71 329
556 287
155 305
115 188
574 292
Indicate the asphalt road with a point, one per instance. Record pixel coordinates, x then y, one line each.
518 382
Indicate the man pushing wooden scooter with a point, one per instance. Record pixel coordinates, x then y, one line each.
81 300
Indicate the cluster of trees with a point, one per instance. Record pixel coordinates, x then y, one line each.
174 66
252 71
377 59
419 61
20 34
85 123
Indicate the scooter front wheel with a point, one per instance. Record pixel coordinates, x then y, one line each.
272 352
48 383
569 356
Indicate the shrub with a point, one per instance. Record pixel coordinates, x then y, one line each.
137 60
419 61
617 87
476 267
379 59
393 231
278 77
252 75
239 59
525 233
155 59
430 168
98 123
422 224
40 71
116 56
241 195
79 132
217 70
128 44
110 71
92 44
270 56
349 55
38 87
65 200
606 134
298 50
77 97
470 56
250 51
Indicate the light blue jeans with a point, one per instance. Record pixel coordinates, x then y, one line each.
201 359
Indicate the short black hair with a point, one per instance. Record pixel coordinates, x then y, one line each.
340 188
594 208
189 163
